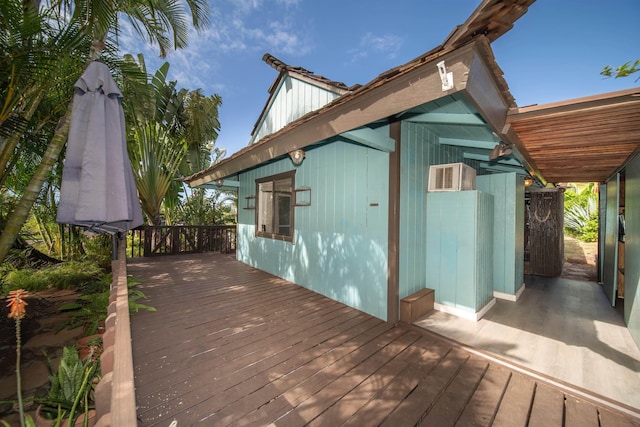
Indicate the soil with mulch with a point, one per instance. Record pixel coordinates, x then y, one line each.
40 340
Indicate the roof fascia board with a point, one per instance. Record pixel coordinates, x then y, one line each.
491 101
316 83
488 92
594 101
273 90
400 92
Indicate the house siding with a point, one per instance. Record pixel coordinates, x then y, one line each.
419 150
609 277
459 248
632 248
294 99
340 247
508 236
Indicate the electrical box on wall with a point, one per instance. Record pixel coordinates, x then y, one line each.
452 177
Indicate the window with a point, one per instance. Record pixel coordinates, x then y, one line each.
274 206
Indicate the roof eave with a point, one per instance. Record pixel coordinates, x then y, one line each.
409 86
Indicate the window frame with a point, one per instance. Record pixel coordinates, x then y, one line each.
274 235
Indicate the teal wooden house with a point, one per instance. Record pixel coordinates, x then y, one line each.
416 180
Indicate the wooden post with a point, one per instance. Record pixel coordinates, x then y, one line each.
393 273
146 233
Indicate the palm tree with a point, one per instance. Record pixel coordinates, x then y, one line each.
163 23
155 159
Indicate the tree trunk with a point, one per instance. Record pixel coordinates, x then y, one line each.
9 145
20 214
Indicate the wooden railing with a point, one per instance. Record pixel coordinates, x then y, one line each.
177 239
115 392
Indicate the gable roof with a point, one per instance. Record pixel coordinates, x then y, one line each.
488 22
303 73
299 73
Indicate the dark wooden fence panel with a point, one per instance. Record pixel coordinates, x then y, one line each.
177 239
544 217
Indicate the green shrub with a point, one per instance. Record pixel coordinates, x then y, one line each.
73 274
87 311
27 279
66 275
91 309
98 250
581 214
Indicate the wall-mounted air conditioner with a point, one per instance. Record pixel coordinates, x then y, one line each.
452 177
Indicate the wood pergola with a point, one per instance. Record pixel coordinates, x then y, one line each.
580 140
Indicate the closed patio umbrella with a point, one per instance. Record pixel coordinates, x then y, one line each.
98 190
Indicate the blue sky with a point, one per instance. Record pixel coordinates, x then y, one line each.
554 52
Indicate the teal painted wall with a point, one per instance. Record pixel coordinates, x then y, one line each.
508 229
632 248
459 261
293 99
419 149
341 240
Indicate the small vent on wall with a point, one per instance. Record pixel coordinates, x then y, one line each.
452 177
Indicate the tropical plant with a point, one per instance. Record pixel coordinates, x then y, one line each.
17 311
581 214
70 393
162 23
90 310
204 206
623 70
155 159
173 135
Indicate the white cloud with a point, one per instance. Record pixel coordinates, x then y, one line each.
387 45
289 3
245 6
237 27
256 26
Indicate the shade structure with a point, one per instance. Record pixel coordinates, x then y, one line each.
98 189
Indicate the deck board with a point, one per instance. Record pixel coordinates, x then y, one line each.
548 407
232 345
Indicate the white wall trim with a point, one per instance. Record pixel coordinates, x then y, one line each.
464 313
509 297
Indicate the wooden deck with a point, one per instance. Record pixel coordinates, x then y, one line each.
231 345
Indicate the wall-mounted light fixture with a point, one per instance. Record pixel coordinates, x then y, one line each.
501 149
528 182
297 156
219 181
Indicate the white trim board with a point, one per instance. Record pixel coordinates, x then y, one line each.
464 313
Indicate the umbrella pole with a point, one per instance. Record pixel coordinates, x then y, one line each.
114 246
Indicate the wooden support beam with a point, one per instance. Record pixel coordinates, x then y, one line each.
472 143
465 119
227 184
484 157
370 138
